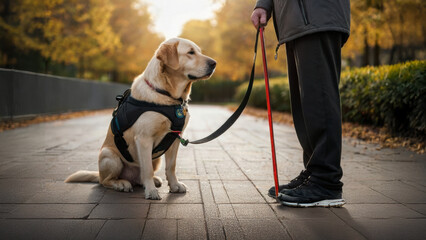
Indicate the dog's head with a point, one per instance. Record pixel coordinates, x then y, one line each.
183 57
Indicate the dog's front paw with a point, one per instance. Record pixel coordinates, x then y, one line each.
152 194
178 187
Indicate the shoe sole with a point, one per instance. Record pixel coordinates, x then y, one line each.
324 203
275 197
272 196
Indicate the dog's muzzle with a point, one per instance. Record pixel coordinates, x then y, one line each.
211 66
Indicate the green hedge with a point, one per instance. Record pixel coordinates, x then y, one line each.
214 90
392 96
279 91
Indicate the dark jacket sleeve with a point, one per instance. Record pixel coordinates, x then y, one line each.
265 4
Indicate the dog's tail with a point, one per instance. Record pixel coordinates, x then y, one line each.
83 176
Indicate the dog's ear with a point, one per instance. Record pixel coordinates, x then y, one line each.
168 55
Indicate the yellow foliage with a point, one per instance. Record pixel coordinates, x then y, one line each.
131 23
229 38
389 22
95 35
115 36
62 31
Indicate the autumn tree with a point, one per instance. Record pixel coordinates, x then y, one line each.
131 22
203 34
72 31
396 26
230 37
109 38
6 45
405 21
382 32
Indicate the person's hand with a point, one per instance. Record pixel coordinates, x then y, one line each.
259 16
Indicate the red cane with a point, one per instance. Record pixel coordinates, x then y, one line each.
268 101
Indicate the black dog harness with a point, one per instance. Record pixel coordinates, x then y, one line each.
130 109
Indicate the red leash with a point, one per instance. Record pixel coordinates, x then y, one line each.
268 101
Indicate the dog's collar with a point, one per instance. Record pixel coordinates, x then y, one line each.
164 92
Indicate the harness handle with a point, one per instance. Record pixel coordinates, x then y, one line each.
120 98
231 120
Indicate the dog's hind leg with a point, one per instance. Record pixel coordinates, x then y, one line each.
156 163
110 167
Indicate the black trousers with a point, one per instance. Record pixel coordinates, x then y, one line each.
314 64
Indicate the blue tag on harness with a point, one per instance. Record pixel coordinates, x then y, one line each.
180 112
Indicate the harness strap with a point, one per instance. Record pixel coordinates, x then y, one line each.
123 147
231 120
119 141
164 145
164 92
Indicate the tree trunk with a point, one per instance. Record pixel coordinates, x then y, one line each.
6 48
376 52
400 54
114 75
46 65
392 55
81 68
366 56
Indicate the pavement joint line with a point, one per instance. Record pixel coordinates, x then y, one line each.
275 213
413 186
204 209
269 205
100 229
227 195
223 230
211 189
196 162
347 224
414 209
177 228
374 190
143 228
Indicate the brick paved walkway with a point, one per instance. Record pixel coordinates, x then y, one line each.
228 179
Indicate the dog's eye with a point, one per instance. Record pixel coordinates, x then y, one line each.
192 52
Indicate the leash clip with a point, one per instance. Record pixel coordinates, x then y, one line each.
184 142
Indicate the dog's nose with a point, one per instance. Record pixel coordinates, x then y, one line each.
211 63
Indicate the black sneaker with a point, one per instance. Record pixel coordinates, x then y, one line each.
292 184
310 194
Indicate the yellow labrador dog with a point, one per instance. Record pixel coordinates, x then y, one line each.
177 63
